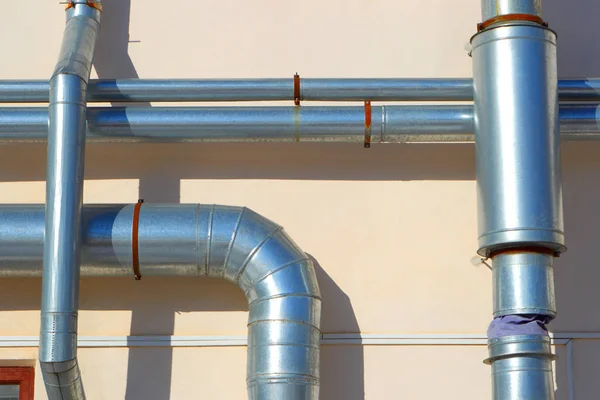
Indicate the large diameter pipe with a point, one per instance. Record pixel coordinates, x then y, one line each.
164 90
521 367
517 139
232 243
390 124
64 189
517 144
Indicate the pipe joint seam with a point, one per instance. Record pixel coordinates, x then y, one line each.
519 346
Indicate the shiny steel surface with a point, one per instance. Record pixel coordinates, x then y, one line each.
179 90
521 368
517 138
62 379
523 284
64 191
386 89
391 124
233 243
495 8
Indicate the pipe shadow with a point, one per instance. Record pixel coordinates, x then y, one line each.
576 272
150 369
283 161
576 24
112 59
342 367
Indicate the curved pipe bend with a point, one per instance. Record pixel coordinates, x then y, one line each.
232 243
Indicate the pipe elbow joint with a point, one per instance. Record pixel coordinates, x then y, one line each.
63 380
281 287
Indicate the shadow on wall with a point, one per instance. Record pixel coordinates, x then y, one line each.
342 371
112 60
342 366
576 22
160 168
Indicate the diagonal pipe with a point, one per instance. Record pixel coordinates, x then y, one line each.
232 243
64 187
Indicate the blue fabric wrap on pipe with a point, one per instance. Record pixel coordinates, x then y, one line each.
512 325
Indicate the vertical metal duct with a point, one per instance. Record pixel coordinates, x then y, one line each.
519 190
64 186
233 243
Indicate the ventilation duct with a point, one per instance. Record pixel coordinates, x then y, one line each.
273 89
389 124
64 188
232 243
519 190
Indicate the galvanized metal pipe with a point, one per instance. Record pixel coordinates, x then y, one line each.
390 124
521 367
517 143
374 89
64 188
232 243
498 8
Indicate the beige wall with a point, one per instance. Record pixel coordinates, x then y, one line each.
393 228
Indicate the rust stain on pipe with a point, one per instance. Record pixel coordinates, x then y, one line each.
510 18
368 120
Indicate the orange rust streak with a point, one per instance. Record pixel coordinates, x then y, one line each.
368 119
135 255
524 249
511 17
297 89
89 3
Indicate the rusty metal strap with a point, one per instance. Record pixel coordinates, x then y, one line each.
509 18
524 249
368 121
135 248
297 89
90 3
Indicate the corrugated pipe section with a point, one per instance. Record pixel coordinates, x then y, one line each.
519 191
232 243
64 187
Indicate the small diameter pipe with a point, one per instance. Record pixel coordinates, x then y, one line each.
375 89
389 124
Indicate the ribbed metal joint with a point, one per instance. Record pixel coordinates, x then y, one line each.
77 50
523 283
519 345
58 341
521 367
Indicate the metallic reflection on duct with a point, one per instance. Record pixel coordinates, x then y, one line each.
64 192
232 243
517 143
390 124
273 89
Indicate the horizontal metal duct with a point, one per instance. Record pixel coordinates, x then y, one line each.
388 124
232 243
167 90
